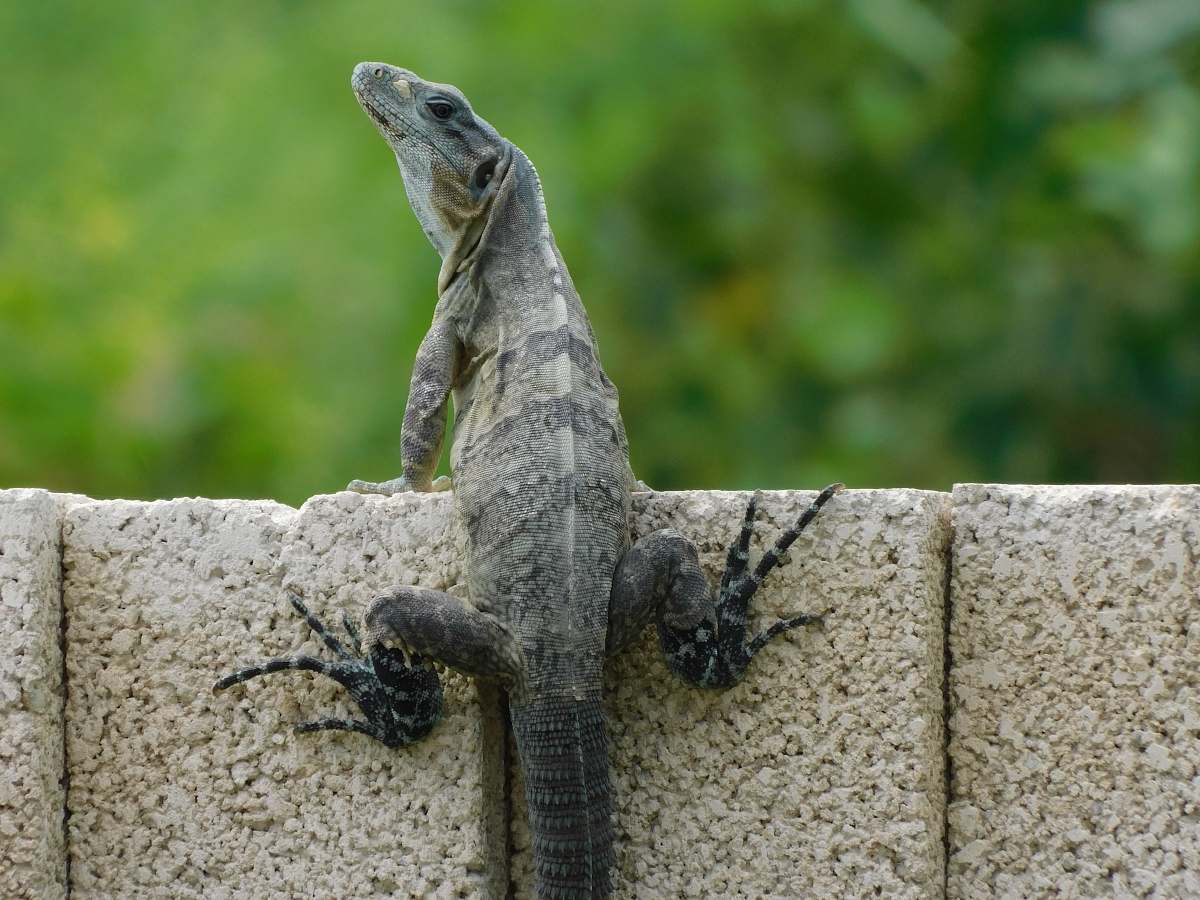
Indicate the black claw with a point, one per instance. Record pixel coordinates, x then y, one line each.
775 556
318 628
718 657
352 631
763 638
306 663
739 550
338 725
401 699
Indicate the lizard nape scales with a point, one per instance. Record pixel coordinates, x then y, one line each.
542 483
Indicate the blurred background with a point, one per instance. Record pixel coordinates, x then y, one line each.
883 241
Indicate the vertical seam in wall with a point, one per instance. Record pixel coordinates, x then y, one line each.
947 763
65 776
510 849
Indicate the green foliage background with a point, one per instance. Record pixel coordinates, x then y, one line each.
882 241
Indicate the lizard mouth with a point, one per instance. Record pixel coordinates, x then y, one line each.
385 124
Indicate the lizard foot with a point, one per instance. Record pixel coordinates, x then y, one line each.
398 485
387 488
398 692
717 656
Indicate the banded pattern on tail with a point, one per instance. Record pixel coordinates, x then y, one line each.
564 755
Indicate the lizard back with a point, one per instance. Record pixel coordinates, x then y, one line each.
539 457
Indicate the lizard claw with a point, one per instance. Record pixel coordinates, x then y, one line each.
400 696
340 725
716 654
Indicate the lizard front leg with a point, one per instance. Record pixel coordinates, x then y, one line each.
389 673
446 629
704 637
434 370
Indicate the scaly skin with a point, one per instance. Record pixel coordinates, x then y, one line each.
541 479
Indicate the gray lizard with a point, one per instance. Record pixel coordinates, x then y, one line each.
542 482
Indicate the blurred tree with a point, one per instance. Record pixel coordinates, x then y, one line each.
886 241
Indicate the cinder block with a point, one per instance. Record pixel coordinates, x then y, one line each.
1075 692
822 773
177 792
32 854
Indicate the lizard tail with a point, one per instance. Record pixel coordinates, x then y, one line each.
564 757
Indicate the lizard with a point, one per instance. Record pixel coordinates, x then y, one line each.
541 479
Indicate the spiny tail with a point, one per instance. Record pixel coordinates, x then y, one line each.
564 757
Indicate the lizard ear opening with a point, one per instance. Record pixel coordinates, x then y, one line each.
486 178
482 176
515 208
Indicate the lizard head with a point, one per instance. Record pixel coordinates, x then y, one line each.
452 161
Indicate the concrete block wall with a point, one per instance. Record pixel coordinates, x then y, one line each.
821 774
1071 742
32 796
177 792
1075 692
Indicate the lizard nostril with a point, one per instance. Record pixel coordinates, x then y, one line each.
378 73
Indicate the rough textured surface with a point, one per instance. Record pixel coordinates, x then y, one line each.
175 791
1075 700
821 774
1075 692
32 855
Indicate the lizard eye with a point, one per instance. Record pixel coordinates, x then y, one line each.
440 109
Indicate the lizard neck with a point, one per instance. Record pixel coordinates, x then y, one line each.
462 251
517 222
